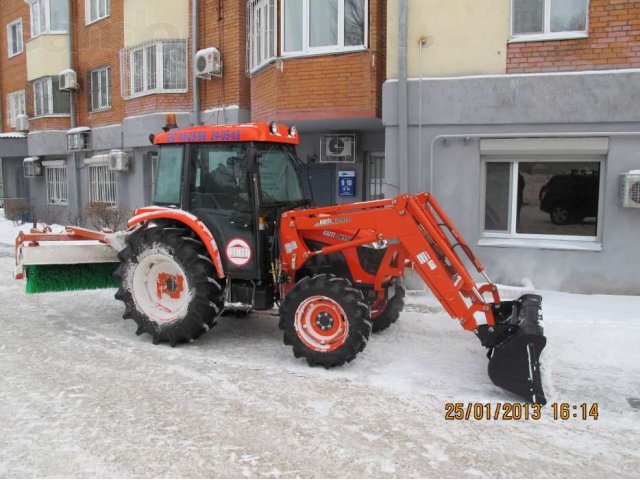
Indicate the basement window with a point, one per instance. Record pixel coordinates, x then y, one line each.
102 181
56 175
535 20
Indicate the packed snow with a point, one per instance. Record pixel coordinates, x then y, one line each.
83 396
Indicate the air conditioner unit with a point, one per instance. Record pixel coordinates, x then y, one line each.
78 139
22 123
118 161
338 148
630 189
67 81
207 63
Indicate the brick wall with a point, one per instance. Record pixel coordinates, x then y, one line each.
325 86
614 42
13 71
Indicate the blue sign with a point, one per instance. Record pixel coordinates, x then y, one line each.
347 183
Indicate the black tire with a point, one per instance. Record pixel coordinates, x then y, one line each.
561 215
391 310
336 291
205 299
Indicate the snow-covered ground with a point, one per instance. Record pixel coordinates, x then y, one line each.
82 396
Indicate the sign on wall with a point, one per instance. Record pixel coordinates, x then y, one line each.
347 183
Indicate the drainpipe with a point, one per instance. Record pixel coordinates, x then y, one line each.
72 107
194 49
403 119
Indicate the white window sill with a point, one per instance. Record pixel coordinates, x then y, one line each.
262 66
546 37
101 109
33 37
11 55
156 92
542 244
51 115
66 204
91 22
323 51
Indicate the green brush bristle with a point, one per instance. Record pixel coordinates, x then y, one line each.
62 278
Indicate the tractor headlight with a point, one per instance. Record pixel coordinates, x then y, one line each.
293 131
273 127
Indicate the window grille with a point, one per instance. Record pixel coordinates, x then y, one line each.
154 67
103 184
57 190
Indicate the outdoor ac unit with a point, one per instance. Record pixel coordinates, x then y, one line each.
22 123
118 161
67 81
338 148
78 139
630 189
32 167
207 63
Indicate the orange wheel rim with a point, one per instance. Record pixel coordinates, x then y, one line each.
321 324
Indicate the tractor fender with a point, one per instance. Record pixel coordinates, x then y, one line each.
147 214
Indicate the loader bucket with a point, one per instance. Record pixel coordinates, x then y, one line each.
515 346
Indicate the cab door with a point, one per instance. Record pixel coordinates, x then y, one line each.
221 196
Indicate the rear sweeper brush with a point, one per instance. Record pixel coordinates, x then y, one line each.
230 231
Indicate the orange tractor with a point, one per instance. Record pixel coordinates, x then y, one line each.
231 231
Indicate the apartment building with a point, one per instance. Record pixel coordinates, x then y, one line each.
523 117
81 139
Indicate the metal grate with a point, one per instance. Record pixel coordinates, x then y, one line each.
57 190
103 184
154 67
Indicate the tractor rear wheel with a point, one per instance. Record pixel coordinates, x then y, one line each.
325 320
389 309
168 285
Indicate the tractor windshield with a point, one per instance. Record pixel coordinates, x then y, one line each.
278 175
168 176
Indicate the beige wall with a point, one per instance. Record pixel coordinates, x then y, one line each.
465 37
146 20
47 55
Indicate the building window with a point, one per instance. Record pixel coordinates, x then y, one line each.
323 26
57 191
100 88
555 19
15 44
261 44
159 67
49 16
16 105
102 184
48 99
553 198
96 10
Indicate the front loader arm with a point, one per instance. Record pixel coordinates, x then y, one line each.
414 228
415 231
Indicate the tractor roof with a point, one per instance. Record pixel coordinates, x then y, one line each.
249 132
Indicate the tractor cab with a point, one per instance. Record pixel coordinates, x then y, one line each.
236 180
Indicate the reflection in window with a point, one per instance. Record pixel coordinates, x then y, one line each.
221 178
168 176
542 198
278 177
531 17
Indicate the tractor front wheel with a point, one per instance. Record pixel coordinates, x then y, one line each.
168 285
325 320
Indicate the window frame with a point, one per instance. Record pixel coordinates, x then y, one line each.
253 7
12 113
50 97
102 188
60 183
44 7
128 78
20 38
307 50
547 34
512 238
98 71
87 11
